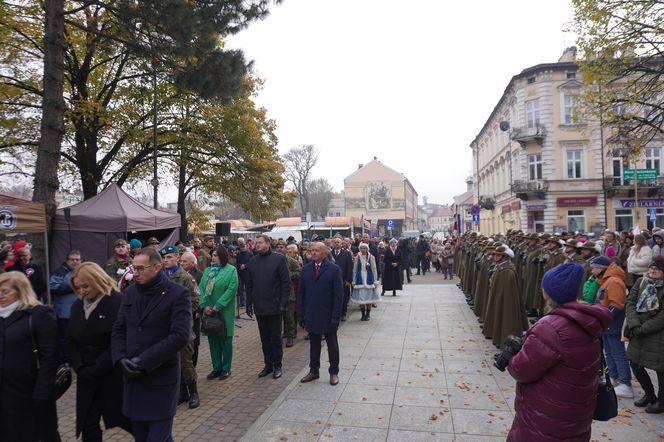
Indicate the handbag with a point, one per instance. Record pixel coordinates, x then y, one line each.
607 401
213 324
63 377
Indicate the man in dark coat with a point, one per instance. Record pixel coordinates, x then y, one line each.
422 248
344 260
153 325
23 263
404 246
268 289
242 259
391 278
319 308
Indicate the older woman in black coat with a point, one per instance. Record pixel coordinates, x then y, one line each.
391 275
27 397
99 384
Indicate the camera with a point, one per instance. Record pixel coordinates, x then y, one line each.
513 345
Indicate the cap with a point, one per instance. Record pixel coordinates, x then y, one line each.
135 243
169 249
119 242
572 243
208 238
152 240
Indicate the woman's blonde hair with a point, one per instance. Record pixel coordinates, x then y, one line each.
27 298
95 276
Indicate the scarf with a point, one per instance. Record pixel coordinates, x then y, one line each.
213 273
90 306
169 272
6 311
648 301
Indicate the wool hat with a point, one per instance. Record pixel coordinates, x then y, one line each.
18 245
135 243
600 262
562 282
658 262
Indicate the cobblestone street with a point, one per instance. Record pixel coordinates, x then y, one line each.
419 370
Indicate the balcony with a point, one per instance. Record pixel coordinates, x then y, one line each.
524 134
616 185
523 189
487 202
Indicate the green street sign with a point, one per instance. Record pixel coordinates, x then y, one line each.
643 174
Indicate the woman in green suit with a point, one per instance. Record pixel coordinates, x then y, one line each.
218 288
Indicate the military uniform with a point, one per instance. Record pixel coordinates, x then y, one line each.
116 267
290 324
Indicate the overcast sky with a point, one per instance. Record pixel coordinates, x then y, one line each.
409 82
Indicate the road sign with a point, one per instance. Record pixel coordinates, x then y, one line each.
476 219
643 174
390 224
653 214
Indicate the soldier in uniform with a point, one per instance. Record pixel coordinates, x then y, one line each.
290 323
204 253
529 266
176 273
153 243
505 313
482 287
572 248
118 263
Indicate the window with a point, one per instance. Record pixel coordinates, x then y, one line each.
535 167
570 109
617 167
624 219
533 113
574 165
653 158
531 80
659 213
570 75
538 219
576 220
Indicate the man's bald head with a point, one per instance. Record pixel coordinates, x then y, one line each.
188 261
318 251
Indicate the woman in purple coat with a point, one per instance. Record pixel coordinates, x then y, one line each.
557 368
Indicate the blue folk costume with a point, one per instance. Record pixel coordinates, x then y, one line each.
364 277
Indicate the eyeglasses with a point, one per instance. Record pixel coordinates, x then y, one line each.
141 269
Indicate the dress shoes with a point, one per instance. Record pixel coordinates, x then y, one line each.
213 374
334 379
289 342
310 377
265 371
645 401
277 373
224 375
656 408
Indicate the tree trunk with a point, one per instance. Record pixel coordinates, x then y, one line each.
52 123
182 209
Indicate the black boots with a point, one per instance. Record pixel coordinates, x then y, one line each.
368 316
366 313
184 393
656 408
194 400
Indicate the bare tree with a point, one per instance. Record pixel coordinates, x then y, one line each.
320 194
299 161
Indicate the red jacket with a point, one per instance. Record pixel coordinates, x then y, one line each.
557 372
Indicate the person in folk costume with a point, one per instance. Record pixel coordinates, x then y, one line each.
482 291
365 281
505 313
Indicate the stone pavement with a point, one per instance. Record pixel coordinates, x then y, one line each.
419 370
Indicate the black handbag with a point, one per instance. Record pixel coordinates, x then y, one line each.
63 377
213 324
607 401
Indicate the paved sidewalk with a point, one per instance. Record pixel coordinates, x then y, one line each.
419 370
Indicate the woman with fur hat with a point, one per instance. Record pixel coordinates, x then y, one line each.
557 367
644 313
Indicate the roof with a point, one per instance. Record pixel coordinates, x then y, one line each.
113 210
375 161
441 211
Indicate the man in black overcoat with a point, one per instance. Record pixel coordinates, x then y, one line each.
153 325
344 259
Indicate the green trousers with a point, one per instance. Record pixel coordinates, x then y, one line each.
290 324
221 352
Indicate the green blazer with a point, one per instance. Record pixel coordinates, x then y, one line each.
222 295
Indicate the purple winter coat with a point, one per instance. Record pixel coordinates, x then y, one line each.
557 374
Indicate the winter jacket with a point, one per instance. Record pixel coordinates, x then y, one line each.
268 284
657 250
557 375
612 289
61 291
590 288
638 263
646 347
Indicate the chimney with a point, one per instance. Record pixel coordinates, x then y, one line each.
569 54
375 158
359 166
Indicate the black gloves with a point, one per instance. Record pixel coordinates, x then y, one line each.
132 368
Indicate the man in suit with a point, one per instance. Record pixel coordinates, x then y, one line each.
153 325
344 260
319 306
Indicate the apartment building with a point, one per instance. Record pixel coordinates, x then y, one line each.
540 161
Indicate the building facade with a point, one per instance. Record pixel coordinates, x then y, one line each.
383 196
540 162
337 205
441 220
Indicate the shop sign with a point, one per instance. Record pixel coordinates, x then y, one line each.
536 206
577 201
655 202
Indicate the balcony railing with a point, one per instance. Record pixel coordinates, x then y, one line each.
524 188
614 185
487 202
524 134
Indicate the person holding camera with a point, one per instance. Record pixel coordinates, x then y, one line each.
645 329
557 367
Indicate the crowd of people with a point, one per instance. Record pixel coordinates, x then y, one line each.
560 306
131 330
